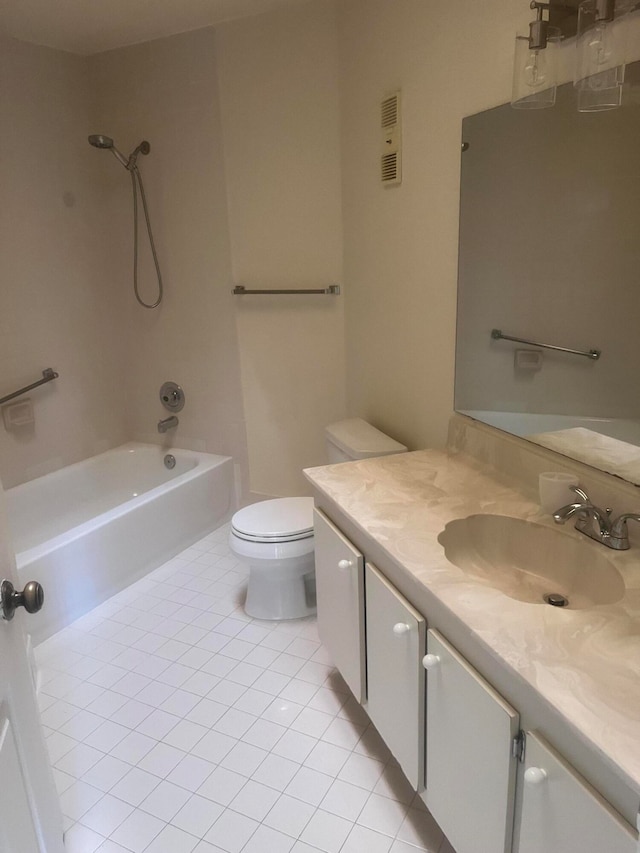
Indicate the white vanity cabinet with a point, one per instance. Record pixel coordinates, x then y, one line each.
560 811
484 797
395 675
340 594
471 770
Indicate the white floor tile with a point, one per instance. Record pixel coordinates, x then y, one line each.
289 816
309 785
222 786
207 731
135 786
382 815
266 839
191 772
198 815
345 800
81 839
172 840
231 831
106 815
165 801
138 831
327 832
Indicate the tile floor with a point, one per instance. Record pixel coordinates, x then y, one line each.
178 724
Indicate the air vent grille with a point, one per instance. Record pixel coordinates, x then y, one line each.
389 168
390 111
391 155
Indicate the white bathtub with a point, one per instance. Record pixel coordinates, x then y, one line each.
91 529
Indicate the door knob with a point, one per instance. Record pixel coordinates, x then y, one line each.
343 565
31 598
431 661
401 628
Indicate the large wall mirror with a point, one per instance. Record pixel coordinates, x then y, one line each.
550 253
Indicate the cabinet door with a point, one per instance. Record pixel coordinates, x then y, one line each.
470 768
560 811
395 676
340 592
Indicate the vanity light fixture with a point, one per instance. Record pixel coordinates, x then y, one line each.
600 59
600 32
535 64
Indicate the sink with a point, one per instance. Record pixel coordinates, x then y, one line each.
528 562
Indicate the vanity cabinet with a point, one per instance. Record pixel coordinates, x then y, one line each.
471 769
464 738
395 675
560 811
340 596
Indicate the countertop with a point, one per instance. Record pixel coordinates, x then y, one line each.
584 663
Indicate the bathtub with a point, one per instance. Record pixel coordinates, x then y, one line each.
87 531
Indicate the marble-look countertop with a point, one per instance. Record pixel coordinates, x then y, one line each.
584 663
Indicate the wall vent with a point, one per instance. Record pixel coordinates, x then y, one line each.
391 156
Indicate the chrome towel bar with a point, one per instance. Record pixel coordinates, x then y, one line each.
594 354
48 375
332 290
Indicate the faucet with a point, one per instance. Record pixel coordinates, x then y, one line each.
168 423
595 522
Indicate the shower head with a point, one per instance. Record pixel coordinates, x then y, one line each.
99 140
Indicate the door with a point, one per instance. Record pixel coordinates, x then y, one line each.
561 811
470 767
30 817
395 675
340 593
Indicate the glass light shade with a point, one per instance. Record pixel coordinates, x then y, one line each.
600 59
535 76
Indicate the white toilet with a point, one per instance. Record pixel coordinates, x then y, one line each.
275 537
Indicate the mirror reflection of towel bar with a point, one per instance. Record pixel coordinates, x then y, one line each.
593 354
48 374
332 290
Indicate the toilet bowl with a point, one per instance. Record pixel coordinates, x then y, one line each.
275 537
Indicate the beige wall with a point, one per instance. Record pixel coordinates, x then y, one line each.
280 111
449 60
57 304
166 91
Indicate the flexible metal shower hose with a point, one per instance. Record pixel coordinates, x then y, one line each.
135 174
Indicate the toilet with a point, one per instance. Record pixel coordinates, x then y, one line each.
275 537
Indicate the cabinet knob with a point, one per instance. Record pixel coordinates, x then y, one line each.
431 661
401 628
343 565
535 775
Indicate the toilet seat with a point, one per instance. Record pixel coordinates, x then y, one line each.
273 521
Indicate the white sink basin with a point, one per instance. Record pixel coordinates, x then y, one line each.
527 561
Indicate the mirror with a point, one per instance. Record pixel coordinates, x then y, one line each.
550 253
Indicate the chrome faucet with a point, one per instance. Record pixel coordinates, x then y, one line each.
168 423
595 522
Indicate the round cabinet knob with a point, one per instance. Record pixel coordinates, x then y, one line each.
343 565
401 628
31 598
431 661
535 775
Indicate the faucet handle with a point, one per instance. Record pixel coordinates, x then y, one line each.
581 494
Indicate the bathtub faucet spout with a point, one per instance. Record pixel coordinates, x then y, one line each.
168 423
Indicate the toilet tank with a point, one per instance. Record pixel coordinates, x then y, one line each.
356 439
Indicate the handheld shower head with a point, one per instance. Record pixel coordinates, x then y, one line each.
99 140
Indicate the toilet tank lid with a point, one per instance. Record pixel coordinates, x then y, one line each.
275 518
359 439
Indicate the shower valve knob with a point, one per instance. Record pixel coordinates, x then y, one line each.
31 598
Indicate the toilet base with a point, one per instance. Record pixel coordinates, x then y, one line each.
283 589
